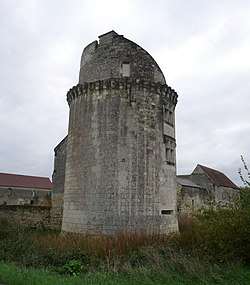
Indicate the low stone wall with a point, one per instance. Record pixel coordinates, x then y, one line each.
27 216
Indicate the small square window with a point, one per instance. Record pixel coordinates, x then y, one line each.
125 69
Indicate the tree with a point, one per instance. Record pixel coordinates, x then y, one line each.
247 180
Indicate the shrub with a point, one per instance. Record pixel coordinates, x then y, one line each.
224 233
73 267
5 229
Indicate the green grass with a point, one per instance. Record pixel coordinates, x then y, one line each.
11 274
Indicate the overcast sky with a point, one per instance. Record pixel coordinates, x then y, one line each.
202 47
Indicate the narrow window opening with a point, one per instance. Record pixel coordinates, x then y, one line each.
166 212
192 202
171 155
9 191
170 117
169 149
168 154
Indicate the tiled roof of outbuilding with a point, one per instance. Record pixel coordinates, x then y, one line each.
218 178
17 180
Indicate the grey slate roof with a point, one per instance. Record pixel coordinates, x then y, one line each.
186 182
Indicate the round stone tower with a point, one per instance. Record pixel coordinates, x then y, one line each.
120 164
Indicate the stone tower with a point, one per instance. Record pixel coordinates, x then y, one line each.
120 172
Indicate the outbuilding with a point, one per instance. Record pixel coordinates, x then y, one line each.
17 189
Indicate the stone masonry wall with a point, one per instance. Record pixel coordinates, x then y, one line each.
119 175
120 168
204 182
224 195
191 198
24 196
58 179
105 61
28 216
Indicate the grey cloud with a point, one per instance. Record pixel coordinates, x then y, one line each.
41 44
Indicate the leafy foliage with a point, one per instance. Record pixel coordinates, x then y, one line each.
224 233
244 180
73 267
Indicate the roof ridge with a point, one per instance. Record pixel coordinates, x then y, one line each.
206 167
219 178
25 175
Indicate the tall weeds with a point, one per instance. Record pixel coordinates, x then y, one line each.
221 235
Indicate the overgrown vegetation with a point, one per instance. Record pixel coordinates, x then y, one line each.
191 257
223 234
213 247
